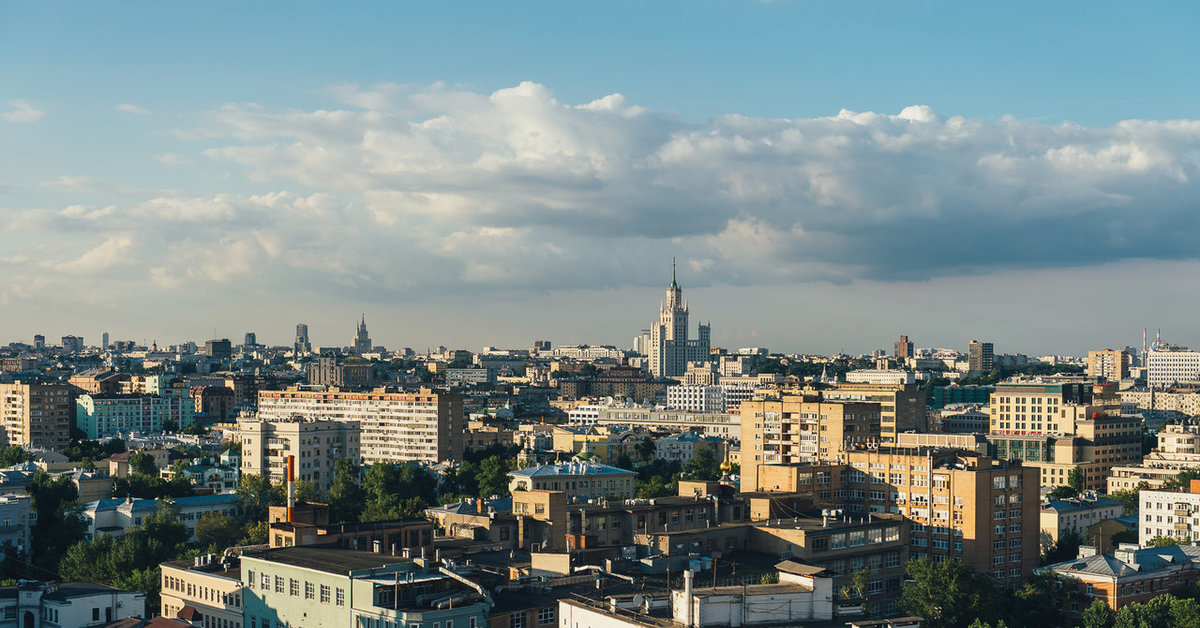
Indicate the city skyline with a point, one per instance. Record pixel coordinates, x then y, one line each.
828 175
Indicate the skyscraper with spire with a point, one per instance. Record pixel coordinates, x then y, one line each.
362 341
668 348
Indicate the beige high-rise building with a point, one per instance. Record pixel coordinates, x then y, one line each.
1059 426
901 406
316 444
395 426
1111 364
795 429
36 415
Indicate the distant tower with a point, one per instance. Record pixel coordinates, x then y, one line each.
362 341
668 348
39 342
251 339
302 345
980 357
904 349
104 340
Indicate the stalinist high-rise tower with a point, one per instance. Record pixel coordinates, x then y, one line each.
362 342
666 343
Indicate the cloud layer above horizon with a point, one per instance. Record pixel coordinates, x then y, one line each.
395 190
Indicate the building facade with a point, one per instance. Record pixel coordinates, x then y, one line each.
394 426
797 430
316 444
980 357
1168 365
34 414
579 480
668 347
103 416
206 590
1111 364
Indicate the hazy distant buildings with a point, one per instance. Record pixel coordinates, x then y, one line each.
301 346
980 357
250 341
39 342
362 341
666 343
72 344
218 349
104 340
904 349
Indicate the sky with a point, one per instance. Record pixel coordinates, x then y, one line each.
828 175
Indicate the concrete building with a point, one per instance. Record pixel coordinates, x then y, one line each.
32 604
1167 365
682 447
722 425
1130 574
901 406
325 587
1059 426
34 414
1076 515
477 376
15 522
316 444
394 426
579 480
216 403
881 376
796 430
114 516
351 373
206 590
1169 513
668 347
980 357
903 350
301 346
104 416
696 398
1111 364
218 349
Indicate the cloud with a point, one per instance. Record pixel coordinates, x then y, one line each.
22 112
171 159
441 190
136 110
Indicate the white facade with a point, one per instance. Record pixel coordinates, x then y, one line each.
15 521
880 376
696 398
721 424
588 352
1170 366
316 444
1168 513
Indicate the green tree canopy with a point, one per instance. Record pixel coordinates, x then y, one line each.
1097 615
948 594
703 465
345 493
215 530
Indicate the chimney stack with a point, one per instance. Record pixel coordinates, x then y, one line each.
291 488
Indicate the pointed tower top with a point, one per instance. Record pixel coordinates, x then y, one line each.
673 284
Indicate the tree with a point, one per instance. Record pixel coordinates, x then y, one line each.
1128 499
1066 548
1038 601
492 477
703 465
345 494
1075 479
858 589
216 530
59 523
1097 615
1164 541
647 449
947 594
142 463
1185 613
14 455
1183 479
771 577
255 496
624 462
1062 492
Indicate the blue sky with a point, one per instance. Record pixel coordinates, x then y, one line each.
284 131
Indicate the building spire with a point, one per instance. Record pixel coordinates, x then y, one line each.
673 284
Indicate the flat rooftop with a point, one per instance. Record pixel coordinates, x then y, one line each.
327 558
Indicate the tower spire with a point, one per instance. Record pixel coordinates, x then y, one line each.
673 284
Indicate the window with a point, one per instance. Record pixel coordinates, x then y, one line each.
249 579
324 594
293 587
279 584
310 591
838 541
95 614
341 599
546 616
875 587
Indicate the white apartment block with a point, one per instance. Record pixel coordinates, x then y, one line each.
426 426
696 398
1173 514
881 376
316 444
1165 367
720 424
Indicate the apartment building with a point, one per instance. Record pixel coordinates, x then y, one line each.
720 424
797 429
34 414
1057 426
1169 513
105 415
1178 450
1111 364
901 405
1130 574
316 444
980 357
586 480
394 426
206 590
696 398
1076 515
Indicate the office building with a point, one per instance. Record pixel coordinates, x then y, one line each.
39 342
104 340
668 347
218 349
797 430
980 357
326 586
696 398
34 414
394 426
904 349
351 373
890 377
72 344
1167 365
250 341
301 346
1057 426
206 589
317 445
1111 364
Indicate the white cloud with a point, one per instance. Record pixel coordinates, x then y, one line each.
136 110
22 112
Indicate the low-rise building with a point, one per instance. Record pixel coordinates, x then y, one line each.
114 516
1130 574
206 590
579 480
683 446
75 604
1076 515
15 521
